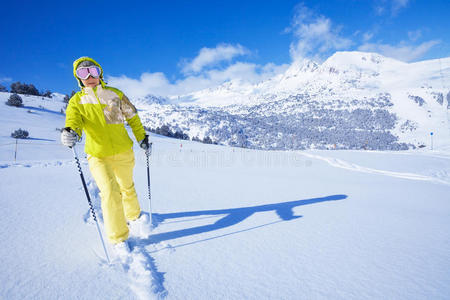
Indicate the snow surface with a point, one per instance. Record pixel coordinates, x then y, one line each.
229 223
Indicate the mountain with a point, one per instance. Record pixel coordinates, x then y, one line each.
353 100
150 99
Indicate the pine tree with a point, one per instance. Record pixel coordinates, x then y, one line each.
14 100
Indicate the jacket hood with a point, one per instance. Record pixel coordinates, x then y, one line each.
84 58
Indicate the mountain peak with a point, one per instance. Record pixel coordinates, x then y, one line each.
363 60
301 66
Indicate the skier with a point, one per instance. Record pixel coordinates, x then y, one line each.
100 111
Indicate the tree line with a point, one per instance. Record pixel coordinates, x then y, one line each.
165 130
25 89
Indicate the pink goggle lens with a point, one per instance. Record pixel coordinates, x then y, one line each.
95 71
83 73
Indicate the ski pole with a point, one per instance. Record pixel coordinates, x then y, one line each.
147 153
91 207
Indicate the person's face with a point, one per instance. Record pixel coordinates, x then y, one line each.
91 81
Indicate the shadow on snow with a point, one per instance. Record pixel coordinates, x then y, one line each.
41 109
233 216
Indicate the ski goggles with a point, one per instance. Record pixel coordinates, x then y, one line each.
85 72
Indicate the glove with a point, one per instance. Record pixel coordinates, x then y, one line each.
69 137
144 143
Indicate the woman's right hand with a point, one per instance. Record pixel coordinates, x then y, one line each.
69 137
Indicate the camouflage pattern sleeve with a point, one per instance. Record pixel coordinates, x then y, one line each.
130 113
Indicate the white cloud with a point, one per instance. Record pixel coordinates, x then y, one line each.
367 36
398 4
249 72
148 83
315 37
5 79
404 52
158 84
212 56
415 35
390 6
379 10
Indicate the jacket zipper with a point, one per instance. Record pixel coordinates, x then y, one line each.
103 114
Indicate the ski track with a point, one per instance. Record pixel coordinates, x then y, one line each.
441 177
144 279
32 164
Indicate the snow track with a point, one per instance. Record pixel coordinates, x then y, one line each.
144 279
441 177
32 164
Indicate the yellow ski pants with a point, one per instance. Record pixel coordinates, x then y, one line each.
114 177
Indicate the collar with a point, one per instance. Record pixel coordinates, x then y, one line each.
96 88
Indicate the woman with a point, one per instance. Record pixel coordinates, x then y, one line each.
100 111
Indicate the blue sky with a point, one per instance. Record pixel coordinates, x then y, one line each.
175 47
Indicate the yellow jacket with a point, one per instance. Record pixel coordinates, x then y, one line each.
101 112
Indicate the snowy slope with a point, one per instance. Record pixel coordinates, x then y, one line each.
41 117
230 223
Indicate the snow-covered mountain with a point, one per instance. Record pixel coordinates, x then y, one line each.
151 99
353 100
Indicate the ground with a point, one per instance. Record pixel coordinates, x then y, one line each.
236 224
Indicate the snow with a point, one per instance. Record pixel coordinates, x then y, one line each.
229 223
